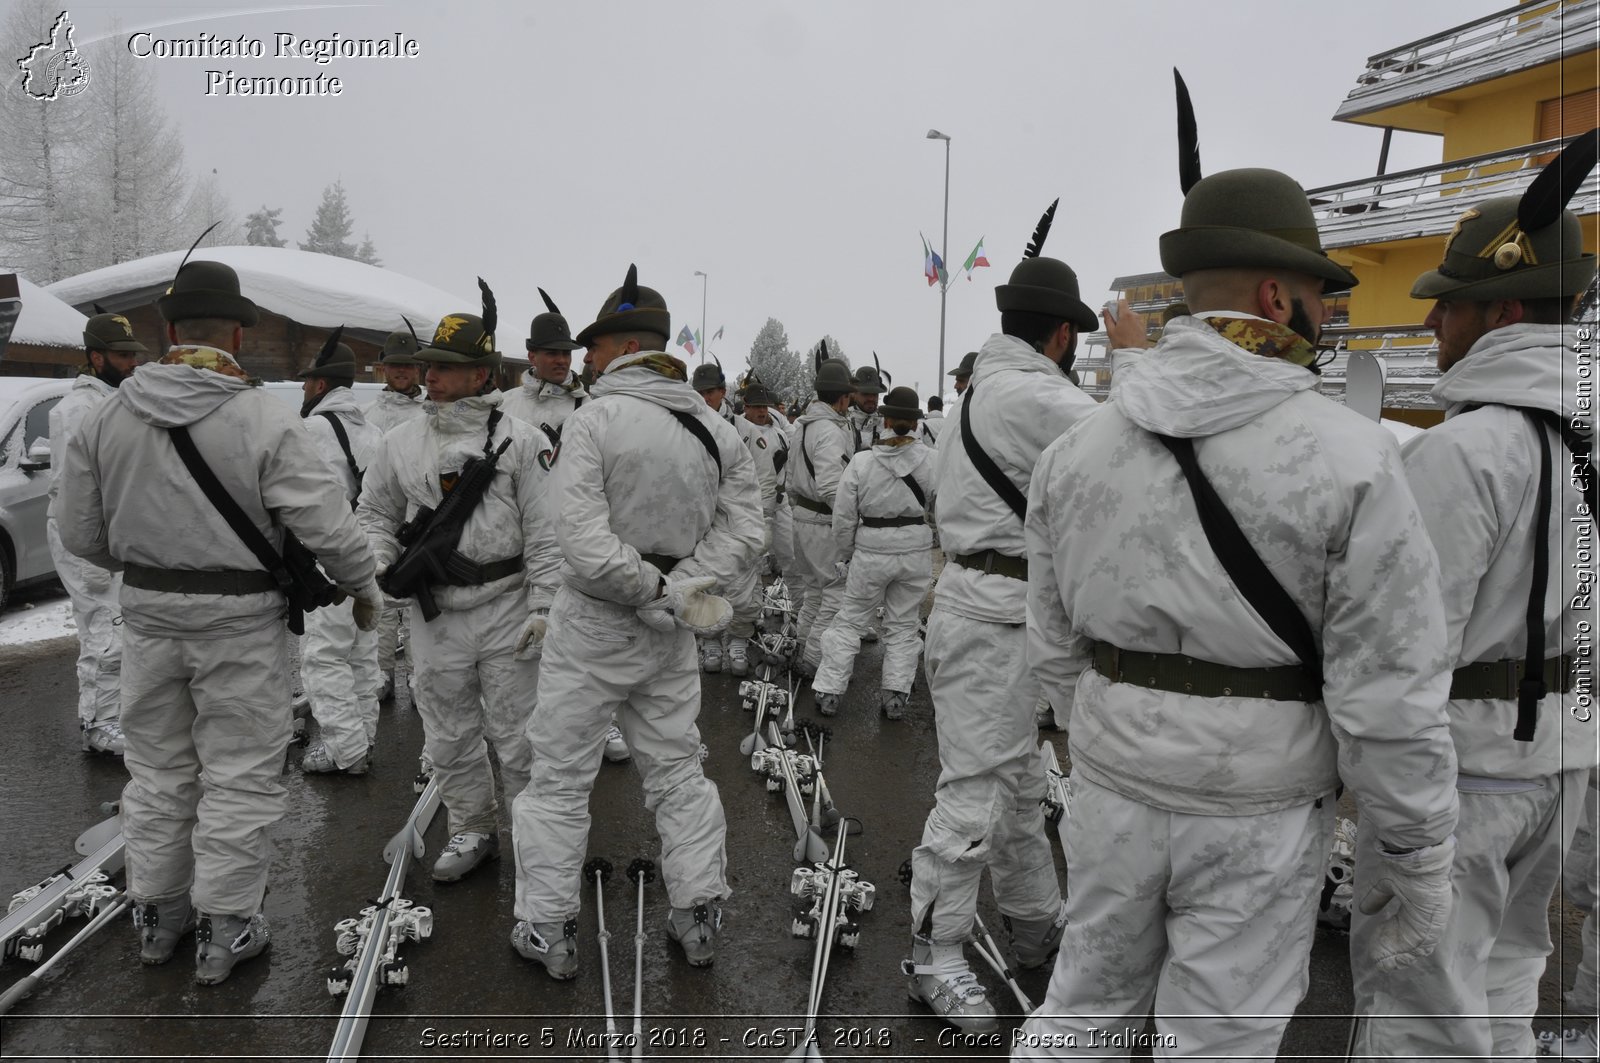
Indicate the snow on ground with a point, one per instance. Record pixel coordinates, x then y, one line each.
46 321
37 621
313 289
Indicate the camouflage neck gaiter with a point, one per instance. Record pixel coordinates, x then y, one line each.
1265 338
205 358
897 441
665 365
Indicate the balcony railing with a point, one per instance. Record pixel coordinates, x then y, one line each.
1427 201
1519 37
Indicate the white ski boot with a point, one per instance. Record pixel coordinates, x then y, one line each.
828 704
318 760
1036 941
893 704
1575 1043
941 979
223 941
552 945
696 929
738 656
463 853
386 688
104 737
162 924
711 655
1044 716
616 746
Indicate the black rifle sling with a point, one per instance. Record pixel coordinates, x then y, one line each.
806 454
344 445
1244 566
219 497
916 489
703 434
1008 491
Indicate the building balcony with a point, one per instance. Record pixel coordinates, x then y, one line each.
1427 201
1507 42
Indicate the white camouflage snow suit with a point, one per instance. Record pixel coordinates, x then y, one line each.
1476 477
1200 826
390 409
638 498
205 676
540 403
822 446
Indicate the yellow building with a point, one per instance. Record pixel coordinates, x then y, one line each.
1503 92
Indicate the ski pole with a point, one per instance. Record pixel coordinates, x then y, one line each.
598 871
26 984
640 871
997 960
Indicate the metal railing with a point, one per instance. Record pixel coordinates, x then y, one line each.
1428 200
1515 38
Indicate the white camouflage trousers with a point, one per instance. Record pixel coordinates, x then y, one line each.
94 592
1208 918
986 807
206 723
1581 879
780 524
899 583
815 555
1478 992
470 687
600 662
389 634
339 671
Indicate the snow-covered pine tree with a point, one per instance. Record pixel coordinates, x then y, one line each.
367 253
208 203
331 227
775 364
261 227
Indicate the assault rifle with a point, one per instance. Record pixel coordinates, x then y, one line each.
429 539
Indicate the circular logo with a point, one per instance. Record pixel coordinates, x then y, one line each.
68 72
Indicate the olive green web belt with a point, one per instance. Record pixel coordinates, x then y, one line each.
1499 680
198 581
810 503
1179 674
994 562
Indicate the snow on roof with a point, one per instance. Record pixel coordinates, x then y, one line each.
313 289
46 321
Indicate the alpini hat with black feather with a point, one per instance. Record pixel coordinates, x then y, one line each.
400 347
1520 247
1242 219
709 376
206 289
631 308
465 339
1045 285
549 331
335 361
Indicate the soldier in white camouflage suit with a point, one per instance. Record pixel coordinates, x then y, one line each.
820 446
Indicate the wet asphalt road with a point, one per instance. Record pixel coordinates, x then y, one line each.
469 993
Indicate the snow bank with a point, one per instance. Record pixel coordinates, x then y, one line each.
46 320
37 622
313 289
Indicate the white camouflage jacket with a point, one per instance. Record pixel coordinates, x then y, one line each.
539 402
126 496
1026 403
512 519
633 480
365 438
824 437
864 427
393 408
1476 478
873 486
765 443
1117 555
87 392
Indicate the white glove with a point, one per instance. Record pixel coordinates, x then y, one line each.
841 570
531 642
686 603
1420 882
368 604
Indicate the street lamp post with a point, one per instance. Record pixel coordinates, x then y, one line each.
944 245
705 282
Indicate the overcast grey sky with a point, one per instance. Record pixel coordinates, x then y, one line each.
777 146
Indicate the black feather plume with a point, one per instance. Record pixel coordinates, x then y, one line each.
99 309
550 304
1188 137
1042 230
882 373
1547 197
630 286
328 347
413 330
491 315
822 355
194 245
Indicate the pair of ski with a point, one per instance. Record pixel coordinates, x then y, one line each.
79 889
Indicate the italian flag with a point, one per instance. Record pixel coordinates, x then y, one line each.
975 260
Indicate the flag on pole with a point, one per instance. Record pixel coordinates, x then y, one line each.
938 265
928 270
686 339
717 335
697 335
975 260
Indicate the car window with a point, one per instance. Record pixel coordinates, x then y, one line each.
38 423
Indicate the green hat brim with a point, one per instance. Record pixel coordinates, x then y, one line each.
1226 247
1553 280
180 306
119 346
903 413
553 345
869 389
1036 299
335 372
400 360
640 319
441 356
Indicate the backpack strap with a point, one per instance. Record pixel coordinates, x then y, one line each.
916 489
703 434
1009 493
344 445
1244 566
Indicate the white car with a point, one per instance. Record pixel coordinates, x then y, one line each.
25 405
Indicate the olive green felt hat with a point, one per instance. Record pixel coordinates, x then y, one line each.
968 360
709 377
335 360
631 308
207 289
1520 247
465 339
901 403
867 381
757 394
1045 285
400 347
111 332
549 331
